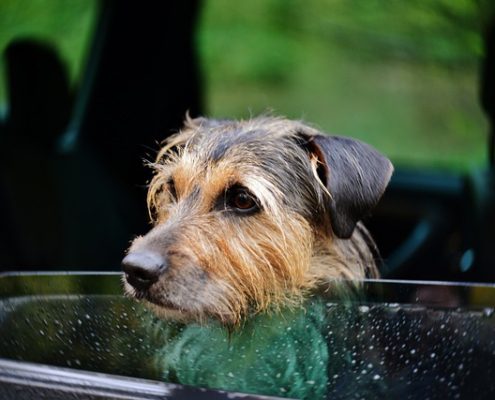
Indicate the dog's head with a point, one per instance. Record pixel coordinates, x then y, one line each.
240 210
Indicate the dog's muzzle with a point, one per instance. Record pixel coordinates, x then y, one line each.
143 268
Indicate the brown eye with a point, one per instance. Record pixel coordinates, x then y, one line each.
239 199
243 201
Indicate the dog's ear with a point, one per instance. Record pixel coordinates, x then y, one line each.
355 175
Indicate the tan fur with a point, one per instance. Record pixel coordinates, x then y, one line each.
227 266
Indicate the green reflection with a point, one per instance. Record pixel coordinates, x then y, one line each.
281 354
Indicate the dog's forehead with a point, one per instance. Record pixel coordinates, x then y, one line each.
233 141
245 141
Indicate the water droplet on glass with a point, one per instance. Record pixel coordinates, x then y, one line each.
487 312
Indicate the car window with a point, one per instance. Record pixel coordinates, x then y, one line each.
403 77
386 339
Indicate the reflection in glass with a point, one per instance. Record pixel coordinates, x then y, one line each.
391 339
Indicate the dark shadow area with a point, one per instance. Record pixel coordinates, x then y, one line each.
72 176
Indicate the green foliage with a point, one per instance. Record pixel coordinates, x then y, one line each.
68 25
399 74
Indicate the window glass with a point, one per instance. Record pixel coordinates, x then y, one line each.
66 26
401 76
386 340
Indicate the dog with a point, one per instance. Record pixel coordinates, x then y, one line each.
249 217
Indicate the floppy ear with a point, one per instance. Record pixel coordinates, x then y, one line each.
354 173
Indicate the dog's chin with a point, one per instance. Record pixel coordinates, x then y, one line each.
159 306
163 310
167 310
185 312
170 311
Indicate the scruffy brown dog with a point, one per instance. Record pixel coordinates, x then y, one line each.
250 215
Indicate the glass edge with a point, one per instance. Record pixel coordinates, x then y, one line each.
85 273
58 273
80 382
431 283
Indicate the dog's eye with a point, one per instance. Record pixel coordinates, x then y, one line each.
239 199
243 201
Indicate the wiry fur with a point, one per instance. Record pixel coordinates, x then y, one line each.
226 265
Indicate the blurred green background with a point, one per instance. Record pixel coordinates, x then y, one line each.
67 24
402 74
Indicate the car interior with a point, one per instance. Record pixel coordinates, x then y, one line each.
72 157
74 145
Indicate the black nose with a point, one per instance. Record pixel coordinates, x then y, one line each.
142 269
